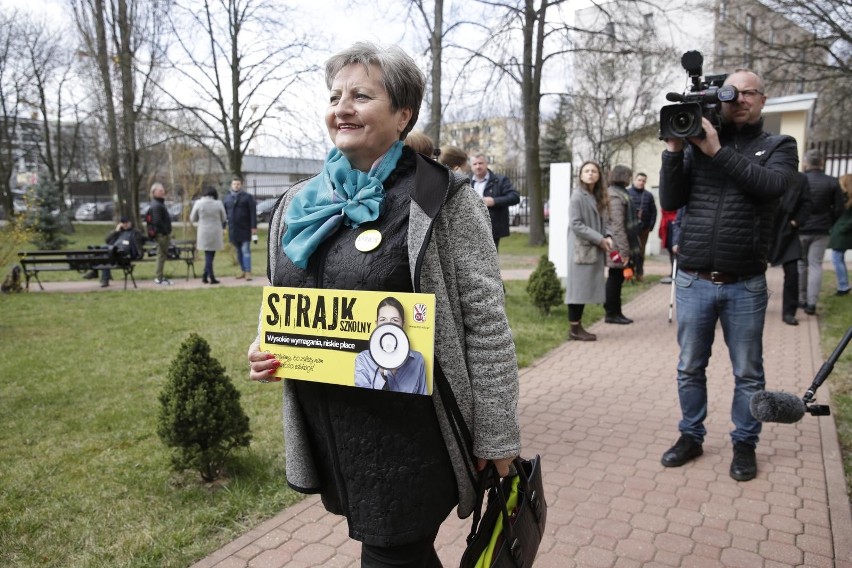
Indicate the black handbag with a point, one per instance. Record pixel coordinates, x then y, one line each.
508 538
512 526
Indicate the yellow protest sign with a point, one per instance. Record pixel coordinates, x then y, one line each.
378 340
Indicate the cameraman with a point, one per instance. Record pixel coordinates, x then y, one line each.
730 182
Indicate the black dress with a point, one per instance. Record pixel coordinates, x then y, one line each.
381 457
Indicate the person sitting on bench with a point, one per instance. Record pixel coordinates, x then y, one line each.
128 242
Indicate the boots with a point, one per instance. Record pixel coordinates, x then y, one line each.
204 278
248 275
240 275
577 333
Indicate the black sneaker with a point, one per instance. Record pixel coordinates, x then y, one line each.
744 464
685 449
810 309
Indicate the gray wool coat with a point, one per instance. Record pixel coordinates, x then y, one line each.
586 230
452 255
209 216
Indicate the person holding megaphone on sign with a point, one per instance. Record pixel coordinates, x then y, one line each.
390 364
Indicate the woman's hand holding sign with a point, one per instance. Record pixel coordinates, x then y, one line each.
262 365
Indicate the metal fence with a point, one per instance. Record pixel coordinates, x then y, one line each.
838 155
520 214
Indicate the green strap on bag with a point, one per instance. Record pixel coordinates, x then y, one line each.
487 557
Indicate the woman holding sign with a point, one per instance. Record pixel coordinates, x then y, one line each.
381 217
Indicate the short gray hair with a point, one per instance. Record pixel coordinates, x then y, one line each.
814 158
155 187
401 78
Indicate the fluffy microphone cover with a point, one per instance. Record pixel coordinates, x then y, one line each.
780 407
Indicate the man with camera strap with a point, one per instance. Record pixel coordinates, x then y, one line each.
730 181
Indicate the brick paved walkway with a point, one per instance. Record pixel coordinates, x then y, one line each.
601 414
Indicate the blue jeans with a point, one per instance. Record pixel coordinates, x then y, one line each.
741 308
243 254
209 256
840 269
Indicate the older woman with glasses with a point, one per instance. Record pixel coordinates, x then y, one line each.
388 461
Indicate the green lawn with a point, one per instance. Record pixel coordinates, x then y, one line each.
86 481
835 317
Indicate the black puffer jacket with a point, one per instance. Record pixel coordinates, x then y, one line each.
160 219
827 204
730 198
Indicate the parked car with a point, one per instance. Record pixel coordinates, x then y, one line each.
519 213
18 203
95 211
175 210
264 210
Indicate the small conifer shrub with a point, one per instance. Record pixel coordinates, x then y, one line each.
200 414
44 217
543 287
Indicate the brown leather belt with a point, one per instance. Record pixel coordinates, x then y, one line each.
719 277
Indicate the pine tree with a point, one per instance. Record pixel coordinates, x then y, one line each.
543 287
200 415
45 218
554 143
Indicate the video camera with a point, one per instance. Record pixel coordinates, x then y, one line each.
704 98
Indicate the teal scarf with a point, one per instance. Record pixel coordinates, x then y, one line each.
340 195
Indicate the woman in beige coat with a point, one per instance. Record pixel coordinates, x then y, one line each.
624 224
209 215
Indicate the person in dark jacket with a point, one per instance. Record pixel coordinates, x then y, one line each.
731 182
826 208
646 212
786 250
390 462
841 238
497 192
161 223
128 242
242 224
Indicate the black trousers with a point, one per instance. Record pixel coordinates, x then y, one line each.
420 554
640 258
614 281
575 312
790 296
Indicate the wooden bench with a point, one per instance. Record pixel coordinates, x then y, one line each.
34 262
178 250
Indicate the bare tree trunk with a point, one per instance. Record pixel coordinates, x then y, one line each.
436 47
236 157
128 191
102 58
531 101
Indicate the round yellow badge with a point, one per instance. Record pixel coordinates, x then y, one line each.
368 240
